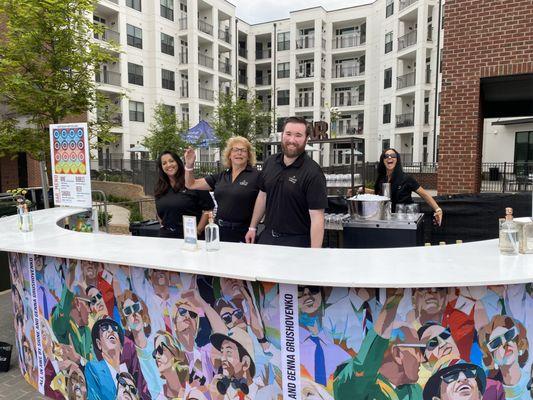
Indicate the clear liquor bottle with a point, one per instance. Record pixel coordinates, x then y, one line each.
212 235
508 234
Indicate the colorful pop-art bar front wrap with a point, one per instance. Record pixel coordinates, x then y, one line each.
87 330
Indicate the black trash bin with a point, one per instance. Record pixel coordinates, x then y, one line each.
494 174
5 356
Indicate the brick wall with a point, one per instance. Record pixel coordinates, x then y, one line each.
426 180
481 39
9 175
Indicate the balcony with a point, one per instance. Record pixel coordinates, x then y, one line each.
405 81
184 58
263 80
184 92
182 23
428 75
346 99
206 61
107 77
243 80
407 40
426 117
205 27
263 54
404 120
224 35
206 94
115 118
346 41
108 35
243 53
430 34
266 106
224 67
341 71
304 74
306 101
305 42
406 3
347 130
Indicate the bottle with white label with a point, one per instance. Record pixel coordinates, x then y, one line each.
508 234
212 235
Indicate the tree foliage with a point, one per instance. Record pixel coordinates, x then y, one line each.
166 132
47 63
241 117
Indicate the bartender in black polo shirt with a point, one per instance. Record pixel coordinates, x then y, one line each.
292 193
173 200
235 188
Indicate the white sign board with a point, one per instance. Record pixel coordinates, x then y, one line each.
71 172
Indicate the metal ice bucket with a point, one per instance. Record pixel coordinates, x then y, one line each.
365 209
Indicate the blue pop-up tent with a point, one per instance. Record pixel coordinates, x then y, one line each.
202 135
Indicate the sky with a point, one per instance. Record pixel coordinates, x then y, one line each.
257 11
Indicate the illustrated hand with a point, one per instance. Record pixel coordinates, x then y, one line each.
189 157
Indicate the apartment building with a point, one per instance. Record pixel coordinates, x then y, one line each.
374 64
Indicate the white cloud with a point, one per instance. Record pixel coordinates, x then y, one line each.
257 11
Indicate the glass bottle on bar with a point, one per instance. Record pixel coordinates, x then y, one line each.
212 236
508 234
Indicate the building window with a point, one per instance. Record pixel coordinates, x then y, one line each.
167 9
387 80
135 74
135 36
523 147
167 79
283 97
386 113
388 42
284 41
170 109
284 70
167 44
136 111
135 4
389 9
385 144
279 123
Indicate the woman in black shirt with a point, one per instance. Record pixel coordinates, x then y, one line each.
390 171
173 200
235 188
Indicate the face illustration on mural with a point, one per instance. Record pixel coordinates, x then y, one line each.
430 300
309 299
231 288
76 387
162 354
460 385
439 343
503 346
97 301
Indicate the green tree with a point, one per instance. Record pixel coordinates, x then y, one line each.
47 61
166 132
241 117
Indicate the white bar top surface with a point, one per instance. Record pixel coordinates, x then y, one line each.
467 264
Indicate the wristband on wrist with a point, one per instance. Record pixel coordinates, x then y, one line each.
252 229
189 169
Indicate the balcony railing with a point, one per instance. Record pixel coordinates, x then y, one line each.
406 40
347 100
345 130
323 44
184 91
305 42
263 54
426 117
403 120
341 71
184 58
305 101
224 67
115 118
206 61
430 33
304 74
243 80
266 106
182 23
406 80
108 35
263 80
107 77
406 3
243 53
205 27
428 75
224 35
206 94
344 41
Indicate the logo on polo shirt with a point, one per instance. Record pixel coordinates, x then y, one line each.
243 182
293 179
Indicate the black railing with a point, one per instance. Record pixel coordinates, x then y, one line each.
407 40
243 52
263 54
406 80
403 120
205 27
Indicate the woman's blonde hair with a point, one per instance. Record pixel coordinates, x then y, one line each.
227 150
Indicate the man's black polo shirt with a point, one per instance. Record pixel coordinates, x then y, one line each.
291 192
236 199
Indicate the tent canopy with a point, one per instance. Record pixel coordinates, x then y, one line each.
202 134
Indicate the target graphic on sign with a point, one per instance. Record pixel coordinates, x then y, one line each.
69 148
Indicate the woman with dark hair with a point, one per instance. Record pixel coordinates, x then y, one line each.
402 185
173 200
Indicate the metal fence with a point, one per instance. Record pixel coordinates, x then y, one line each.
495 177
